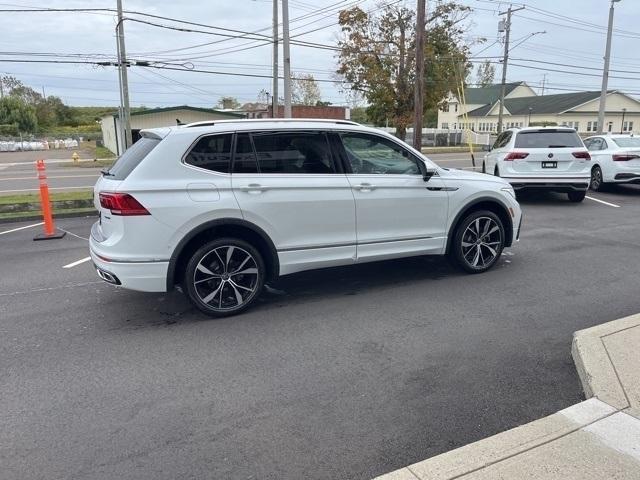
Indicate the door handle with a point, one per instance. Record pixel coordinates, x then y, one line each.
364 187
253 188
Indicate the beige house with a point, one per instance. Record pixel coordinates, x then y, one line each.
154 118
451 116
578 110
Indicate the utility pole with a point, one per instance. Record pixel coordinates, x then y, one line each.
505 61
287 58
605 73
274 88
124 82
544 81
419 87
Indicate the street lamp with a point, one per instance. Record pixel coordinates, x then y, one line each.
624 110
529 120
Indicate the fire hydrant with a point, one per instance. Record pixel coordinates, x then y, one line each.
75 157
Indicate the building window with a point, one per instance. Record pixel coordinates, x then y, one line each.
455 105
445 108
445 126
610 127
592 126
627 127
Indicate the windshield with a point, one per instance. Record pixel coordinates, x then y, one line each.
629 142
132 157
548 139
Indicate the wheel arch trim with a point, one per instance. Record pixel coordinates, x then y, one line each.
220 222
468 207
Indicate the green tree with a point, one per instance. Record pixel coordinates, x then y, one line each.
15 111
377 58
486 74
304 89
228 102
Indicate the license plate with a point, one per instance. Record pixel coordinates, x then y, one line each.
549 164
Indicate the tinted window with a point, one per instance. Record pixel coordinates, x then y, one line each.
370 154
244 159
211 153
594 144
299 152
548 139
132 158
627 142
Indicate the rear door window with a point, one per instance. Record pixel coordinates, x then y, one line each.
212 152
548 139
293 152
130 159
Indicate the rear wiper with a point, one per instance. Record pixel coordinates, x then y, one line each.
558 146
106 173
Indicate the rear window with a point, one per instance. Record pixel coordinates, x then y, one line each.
212 152
548 139
130 159
627 142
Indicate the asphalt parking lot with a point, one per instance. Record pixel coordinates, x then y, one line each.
341 373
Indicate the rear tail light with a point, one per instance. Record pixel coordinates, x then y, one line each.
624 157
516 156
583 155
122 204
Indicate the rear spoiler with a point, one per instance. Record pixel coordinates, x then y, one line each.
157 133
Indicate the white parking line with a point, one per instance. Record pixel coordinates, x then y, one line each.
77 262
21 228
602 201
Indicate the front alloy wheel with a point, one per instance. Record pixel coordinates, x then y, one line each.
478 242
224 277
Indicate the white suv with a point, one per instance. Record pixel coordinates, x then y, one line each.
541 158
222 207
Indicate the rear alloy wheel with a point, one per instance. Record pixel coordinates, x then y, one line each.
596 179
478 242
576 197
224 277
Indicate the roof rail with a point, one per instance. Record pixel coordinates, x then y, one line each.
208 123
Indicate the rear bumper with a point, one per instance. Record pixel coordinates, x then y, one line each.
132 273
627 177
555 184
141 276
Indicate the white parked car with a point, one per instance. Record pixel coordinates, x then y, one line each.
222 207
541 158
616 159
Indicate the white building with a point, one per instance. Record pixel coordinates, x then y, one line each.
523 107
154 118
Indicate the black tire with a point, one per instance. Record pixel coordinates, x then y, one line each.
484 167
469 251
596 183
576 197
224 277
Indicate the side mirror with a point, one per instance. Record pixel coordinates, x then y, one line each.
427 172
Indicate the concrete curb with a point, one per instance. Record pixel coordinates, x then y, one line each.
596 369
37 218
589 435
484 453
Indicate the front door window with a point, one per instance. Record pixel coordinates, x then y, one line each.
370 154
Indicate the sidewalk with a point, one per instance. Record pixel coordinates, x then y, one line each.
595 439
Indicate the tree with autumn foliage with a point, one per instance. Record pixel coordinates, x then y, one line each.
377 58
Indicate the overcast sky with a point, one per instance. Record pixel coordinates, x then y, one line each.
575 35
